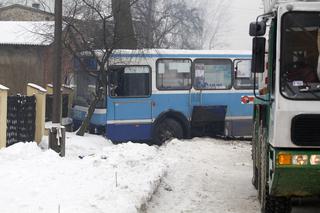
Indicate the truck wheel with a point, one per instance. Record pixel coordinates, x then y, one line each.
277 205
254 158
167 129
269 203
260 156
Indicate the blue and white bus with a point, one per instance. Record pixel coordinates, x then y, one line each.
154 95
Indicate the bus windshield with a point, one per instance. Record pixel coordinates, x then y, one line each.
300 72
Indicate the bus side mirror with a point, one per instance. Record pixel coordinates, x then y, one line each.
258 54
257 28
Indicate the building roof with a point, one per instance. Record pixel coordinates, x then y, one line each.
25 8
39 33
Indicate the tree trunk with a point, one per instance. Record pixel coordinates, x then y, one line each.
149 23
124 37
85 123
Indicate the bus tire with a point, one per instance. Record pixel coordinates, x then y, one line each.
166 130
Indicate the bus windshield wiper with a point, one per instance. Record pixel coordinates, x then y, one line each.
310 88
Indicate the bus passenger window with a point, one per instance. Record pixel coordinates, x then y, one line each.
243 78
212 74
129 81
173 74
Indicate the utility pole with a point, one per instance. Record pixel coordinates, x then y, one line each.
57 132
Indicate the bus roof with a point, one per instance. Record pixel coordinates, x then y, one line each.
175 53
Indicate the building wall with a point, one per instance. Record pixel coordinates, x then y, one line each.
20 65
22 14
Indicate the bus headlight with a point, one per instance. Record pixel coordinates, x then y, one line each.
315 160
300 160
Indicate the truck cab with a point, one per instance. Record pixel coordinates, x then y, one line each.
286 138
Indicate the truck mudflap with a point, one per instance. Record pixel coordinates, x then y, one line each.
294 173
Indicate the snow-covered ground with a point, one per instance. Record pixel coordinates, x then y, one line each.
199 175
108 178
206 175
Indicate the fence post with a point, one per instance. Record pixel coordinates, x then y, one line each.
3 115
40 94
68 91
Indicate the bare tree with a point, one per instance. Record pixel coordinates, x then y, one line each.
216 16
168 24
87 31
124 37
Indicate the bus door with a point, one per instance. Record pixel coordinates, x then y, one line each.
243 84
174 83
129 113
195 98
212 81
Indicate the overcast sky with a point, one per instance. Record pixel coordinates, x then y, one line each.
233 32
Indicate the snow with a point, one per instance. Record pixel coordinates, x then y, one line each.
199 175
26 32
64 121
104 178
3 87
206 175
35 86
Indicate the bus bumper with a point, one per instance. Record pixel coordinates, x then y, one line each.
294 180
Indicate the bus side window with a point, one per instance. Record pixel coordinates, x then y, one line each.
212 74
174 74
243 78
130 81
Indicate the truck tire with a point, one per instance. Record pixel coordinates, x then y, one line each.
254 157
166 130
259 159
269 203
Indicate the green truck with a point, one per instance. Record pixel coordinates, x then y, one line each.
286 137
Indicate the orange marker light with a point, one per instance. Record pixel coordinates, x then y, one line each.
284 159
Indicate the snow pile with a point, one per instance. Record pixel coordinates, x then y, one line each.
95 176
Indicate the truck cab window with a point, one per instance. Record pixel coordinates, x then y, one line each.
300 55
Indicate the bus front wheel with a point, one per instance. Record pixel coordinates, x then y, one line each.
166 130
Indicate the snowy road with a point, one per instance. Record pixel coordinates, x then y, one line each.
206 175
191 176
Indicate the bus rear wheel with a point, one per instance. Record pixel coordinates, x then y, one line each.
166 130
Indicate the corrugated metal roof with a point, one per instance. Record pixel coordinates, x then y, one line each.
26 33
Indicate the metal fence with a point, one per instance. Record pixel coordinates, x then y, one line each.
20 119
